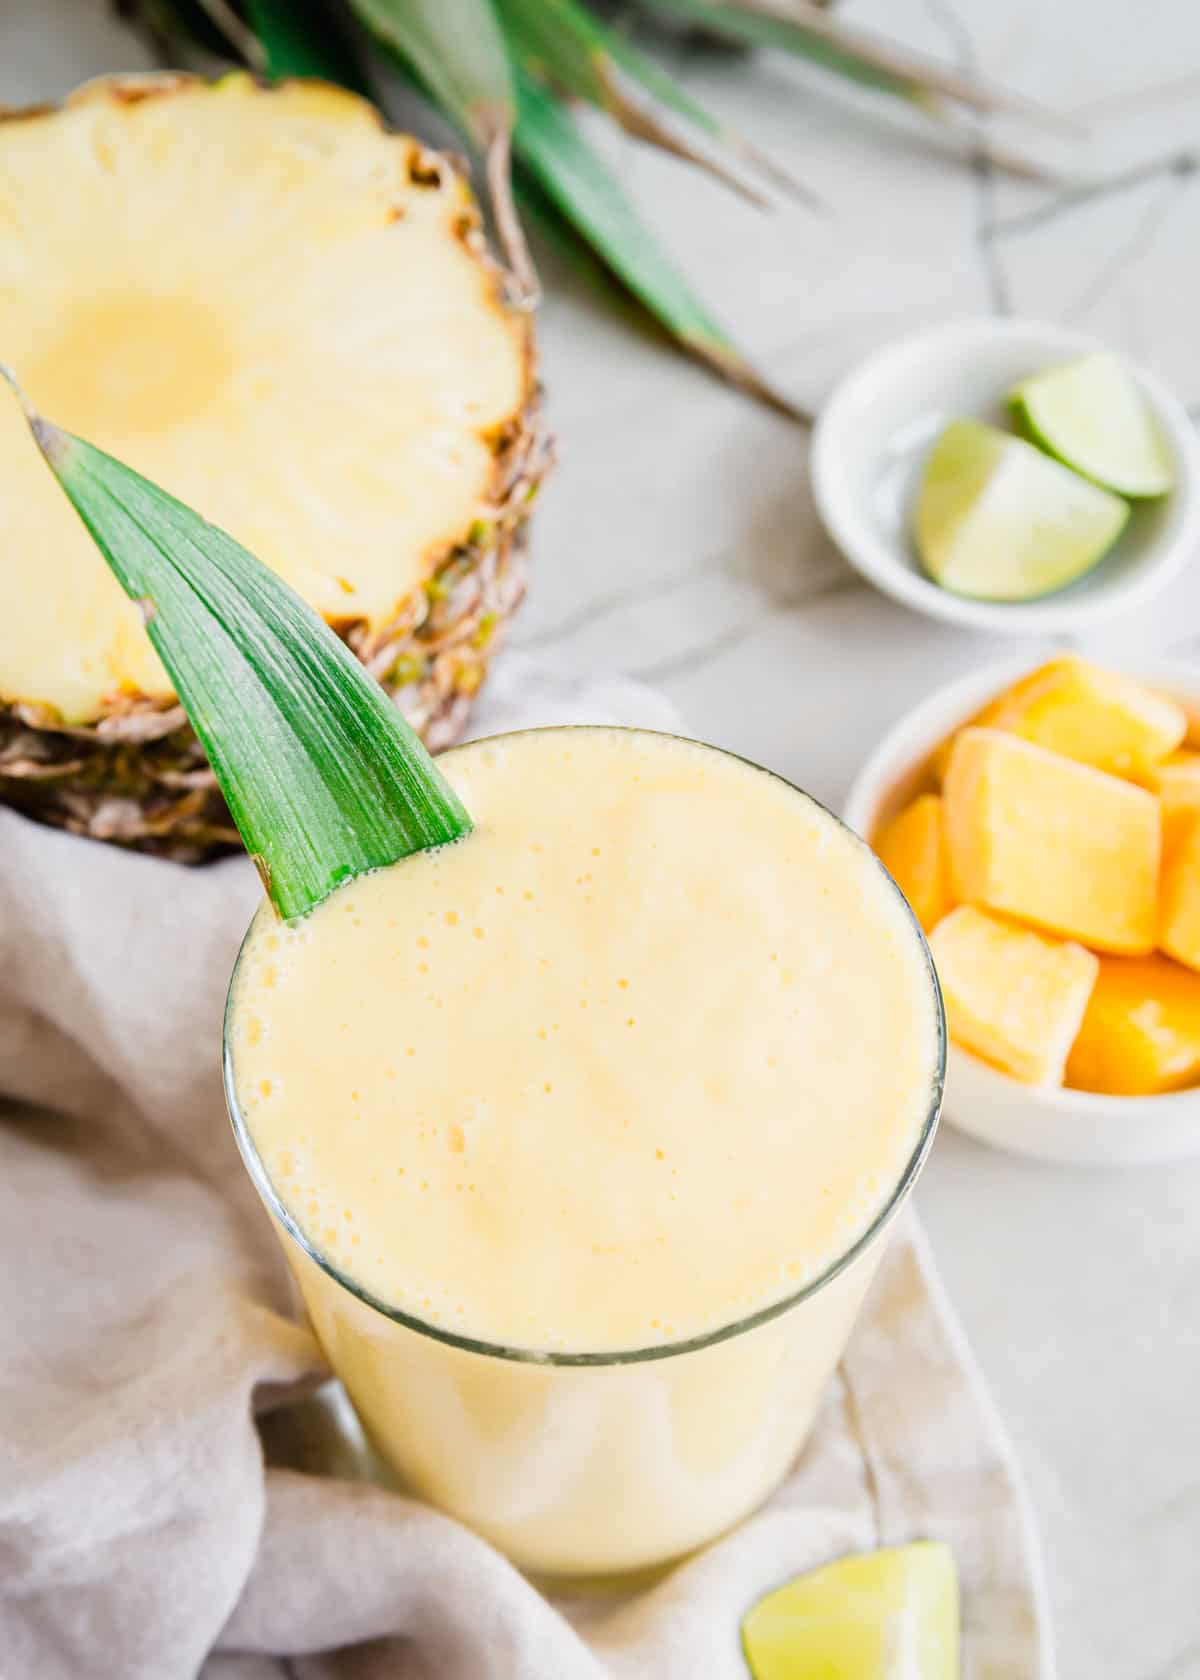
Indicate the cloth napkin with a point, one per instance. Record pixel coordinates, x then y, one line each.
173 1501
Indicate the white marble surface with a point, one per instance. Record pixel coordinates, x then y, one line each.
678 542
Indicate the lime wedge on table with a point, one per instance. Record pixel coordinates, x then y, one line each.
1092 416
889 1615
997 519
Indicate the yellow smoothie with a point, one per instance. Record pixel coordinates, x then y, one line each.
642 1058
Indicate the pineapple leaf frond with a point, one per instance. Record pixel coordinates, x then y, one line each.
301 38
579 56
808 29
550 144
322 775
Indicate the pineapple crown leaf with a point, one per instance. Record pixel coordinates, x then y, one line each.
322 775
45 435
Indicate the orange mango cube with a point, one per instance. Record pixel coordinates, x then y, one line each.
1177 782
1141 1033
912 848
1012 996
1179 930
1097 717
1049 841
1177 777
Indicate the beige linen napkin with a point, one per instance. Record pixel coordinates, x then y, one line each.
145 1324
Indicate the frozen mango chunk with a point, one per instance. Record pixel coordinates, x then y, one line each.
1177 777
1012 996
1177 782
1179 927
1039 837
912 848
1141 1033
1098 717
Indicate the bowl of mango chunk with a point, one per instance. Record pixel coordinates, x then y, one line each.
1045 828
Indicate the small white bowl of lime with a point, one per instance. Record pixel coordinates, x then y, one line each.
1014 519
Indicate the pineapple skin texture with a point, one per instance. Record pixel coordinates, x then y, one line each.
135 774
1012 996
1067 848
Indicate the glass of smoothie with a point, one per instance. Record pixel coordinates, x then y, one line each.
581 1135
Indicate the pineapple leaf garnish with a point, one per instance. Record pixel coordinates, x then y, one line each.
323 777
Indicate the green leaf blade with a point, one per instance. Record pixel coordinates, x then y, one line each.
585 55
457 49
566 42
590 196
561 44
809 29
299 39
457 52
759 30
323 777
549 143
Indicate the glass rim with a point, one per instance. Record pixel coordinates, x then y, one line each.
658 1350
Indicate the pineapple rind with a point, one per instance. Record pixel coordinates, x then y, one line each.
137 776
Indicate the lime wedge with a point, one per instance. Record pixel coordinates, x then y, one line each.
997 519
885 1616
1091 415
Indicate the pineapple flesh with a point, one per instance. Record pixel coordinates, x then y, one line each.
288 318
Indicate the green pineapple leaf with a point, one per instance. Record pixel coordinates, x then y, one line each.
299 39
589 195
457 51
322 775
675 96
561 42
767 29
806 28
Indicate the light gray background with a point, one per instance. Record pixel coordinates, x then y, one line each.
678 543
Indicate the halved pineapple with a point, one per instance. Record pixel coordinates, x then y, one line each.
288 317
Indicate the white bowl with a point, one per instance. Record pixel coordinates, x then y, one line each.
1054 1125
873 434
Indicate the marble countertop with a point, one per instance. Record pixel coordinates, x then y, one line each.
678 542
